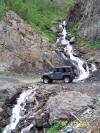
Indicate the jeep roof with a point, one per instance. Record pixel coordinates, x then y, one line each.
65 67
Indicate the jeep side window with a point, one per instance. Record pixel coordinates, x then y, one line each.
64 70
60 70
67 70
56 70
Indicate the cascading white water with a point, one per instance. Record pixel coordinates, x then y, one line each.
27 129
81 64
18 108
93 68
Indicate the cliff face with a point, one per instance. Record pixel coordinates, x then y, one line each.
87 12
24 50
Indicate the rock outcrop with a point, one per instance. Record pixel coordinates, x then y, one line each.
86 12
66 105
22 50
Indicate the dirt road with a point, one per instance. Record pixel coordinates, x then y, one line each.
8 85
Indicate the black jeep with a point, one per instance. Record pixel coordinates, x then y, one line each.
65 73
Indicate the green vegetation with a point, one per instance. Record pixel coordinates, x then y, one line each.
93 53
8 74
29 75
95 45
75 29
55 128
39 13
3 10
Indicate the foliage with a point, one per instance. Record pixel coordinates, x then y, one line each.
93 53
55 128
2 9
75 29
7 74
95 44
40 13
28 75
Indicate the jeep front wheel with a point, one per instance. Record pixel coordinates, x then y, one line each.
67 80
45 80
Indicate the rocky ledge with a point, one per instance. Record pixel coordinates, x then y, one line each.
24 50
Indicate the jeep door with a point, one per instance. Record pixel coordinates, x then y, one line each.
57 75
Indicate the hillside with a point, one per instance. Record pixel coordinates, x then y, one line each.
41 14
49 66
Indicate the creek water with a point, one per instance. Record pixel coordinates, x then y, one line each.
18 111
81 65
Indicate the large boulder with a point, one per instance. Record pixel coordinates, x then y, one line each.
86 12
21 49
67 105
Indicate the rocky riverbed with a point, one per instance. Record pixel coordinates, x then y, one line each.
41 110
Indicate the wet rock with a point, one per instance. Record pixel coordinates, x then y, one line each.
84 49
72 40
34 130
13 99
46 125
65 105
39 121
42 120
14 131
34 123
68 129
3 123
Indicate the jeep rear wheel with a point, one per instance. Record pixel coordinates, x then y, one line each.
50 81
45 80
67 80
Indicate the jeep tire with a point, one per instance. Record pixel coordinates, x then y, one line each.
67 80
46 80
50 81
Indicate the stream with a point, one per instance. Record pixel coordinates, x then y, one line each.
81 65
18 111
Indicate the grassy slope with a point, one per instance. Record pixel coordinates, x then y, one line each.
39 13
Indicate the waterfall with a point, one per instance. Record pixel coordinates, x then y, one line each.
19 108
81 64
27 129
93 67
